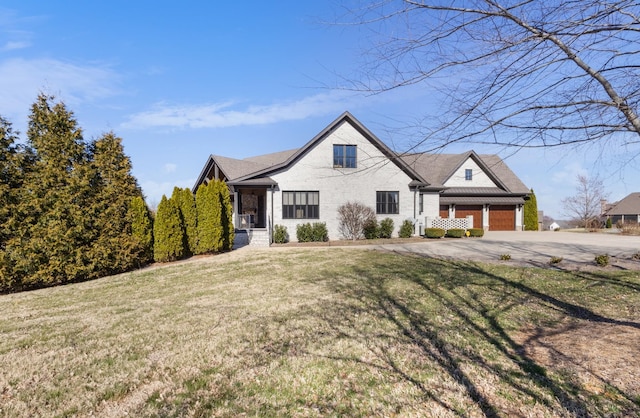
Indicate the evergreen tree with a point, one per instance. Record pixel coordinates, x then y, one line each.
209 226
167 232
187 204
141 229
114 249
531 213
228 229
14 161
55 233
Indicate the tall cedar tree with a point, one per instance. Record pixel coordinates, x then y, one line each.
187 205
115 249
209 212
531 213
55 236
228 230
141 229
14 161
167 232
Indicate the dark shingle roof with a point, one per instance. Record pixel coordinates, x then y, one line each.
429 171
437 168
630 205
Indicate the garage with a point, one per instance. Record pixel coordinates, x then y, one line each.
502 218
462 211
444 211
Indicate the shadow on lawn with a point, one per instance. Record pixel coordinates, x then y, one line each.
476 299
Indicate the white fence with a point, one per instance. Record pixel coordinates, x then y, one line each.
449 223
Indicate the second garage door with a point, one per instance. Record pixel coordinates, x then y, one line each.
502 218
463 211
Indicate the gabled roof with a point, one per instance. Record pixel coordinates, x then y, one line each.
291 157
438 168
427 171
630 205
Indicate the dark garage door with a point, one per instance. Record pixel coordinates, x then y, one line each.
463 211
502 218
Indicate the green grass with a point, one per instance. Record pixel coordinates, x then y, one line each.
309 332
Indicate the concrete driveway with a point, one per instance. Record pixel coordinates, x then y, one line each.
532 248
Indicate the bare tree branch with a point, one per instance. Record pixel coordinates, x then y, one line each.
529 73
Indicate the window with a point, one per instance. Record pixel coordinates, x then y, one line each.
387 202
300 205
344 156
468 174
421 203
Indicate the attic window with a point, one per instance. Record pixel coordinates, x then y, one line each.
468 174
344 156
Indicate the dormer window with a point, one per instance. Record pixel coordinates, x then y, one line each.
344 156
468 174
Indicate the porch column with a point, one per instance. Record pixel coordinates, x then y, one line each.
235 210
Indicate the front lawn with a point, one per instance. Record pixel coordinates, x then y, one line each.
325 331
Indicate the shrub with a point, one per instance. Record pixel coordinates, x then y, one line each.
208 219
168 233
141 228
602 259
555 260
475 232
505 257
386 228
319 232
531 213
636 256
352 216
280 234
454 233
434 232
370 228
304 232
406 229
312 233
609 225
630 229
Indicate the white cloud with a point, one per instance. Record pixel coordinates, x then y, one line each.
568 174
170 168
221 115
13 45
21 80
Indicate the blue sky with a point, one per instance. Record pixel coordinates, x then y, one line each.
181 80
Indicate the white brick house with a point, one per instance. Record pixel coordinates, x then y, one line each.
346 162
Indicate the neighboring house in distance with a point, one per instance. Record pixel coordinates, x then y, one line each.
347 162
626 211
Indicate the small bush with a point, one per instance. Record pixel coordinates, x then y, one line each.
386 228
629 229
312 233
476 232
319 232
555 260
636 256
352 217
280 234
434 232
370 228
406 229
454 233
602 259
505 257
304 232
609 225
